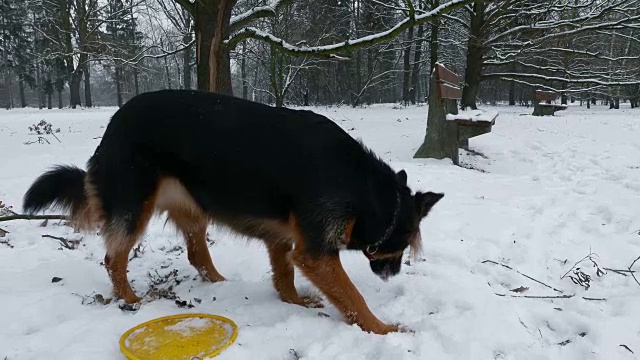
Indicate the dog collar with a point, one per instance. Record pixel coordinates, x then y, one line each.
368 252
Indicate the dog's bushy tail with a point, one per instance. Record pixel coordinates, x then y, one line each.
62 188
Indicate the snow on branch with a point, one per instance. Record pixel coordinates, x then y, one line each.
257 12
560 79
329 51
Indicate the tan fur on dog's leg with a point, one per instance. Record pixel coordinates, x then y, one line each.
198 252
326 272
118 246
116 265
283 276
192 223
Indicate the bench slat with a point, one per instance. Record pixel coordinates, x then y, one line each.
448 83
442 73
545 95
448 91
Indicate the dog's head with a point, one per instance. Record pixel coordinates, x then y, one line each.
385 259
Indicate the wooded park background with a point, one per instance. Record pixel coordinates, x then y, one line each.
83 53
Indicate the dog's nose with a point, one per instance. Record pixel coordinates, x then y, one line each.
385 273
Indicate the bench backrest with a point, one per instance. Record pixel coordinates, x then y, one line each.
448 83
545 95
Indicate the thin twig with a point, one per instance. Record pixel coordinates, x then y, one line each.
527 276
537 296
550 297
33 217
64 242
620 271
631 271
574 265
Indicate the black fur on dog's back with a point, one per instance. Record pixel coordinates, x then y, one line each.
61 187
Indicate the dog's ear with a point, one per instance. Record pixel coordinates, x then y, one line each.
425 201
402 177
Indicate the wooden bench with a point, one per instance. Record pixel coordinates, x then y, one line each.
447 128
546 108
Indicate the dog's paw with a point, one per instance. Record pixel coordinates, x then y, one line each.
405 329
393 328
312 301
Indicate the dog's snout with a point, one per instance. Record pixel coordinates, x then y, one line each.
386 267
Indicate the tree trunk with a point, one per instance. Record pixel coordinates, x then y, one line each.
406 76
116 78
413 91
88 102
74 88
23 100
4 91
60 104
212 57
167 73
369 93
512 88
475 55
136 83
49 103
441 139
243 71
512 92
186 62
434 44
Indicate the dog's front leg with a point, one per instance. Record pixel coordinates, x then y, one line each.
283 275
326 272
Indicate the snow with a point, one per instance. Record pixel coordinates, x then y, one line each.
478 115
540 194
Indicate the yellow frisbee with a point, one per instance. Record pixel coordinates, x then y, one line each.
187 336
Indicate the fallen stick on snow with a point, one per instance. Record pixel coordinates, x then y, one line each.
632 272
620 271
69 244
527 276
576 264
550 297
33 217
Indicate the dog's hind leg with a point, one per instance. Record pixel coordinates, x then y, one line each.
116 261
194 229
283 275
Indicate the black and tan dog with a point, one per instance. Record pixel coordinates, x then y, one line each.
292 178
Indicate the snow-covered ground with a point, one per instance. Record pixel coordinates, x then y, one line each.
542 194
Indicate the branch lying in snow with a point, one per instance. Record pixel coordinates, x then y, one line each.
33 217
632 272
329 51
576 264
551 297
69 244
527 276
620 271
537 296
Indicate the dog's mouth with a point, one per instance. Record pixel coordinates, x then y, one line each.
386 267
